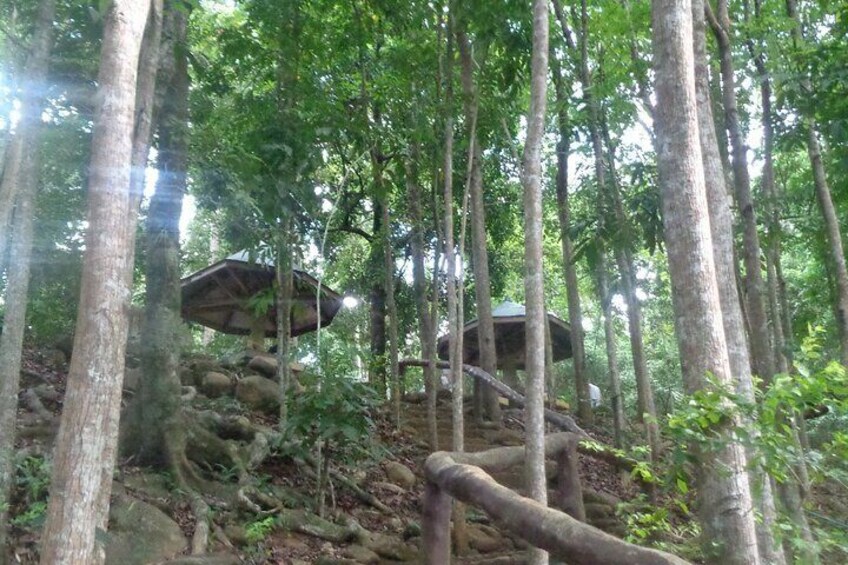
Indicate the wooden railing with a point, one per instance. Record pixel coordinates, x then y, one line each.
464 476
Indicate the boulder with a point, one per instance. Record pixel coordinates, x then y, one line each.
390 547
215 384
265 365
486 540
360 554
400 474
55 358
259 393
139 533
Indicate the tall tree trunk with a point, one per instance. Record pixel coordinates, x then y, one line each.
721 224
24 177
391 310
762 359
723 486
432 401
376 261
419 286
575 314
454 323
15 180
479 245
285 290
158 399
761 351
534 281
96 373
824 198
624 259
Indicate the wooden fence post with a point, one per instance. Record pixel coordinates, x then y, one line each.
570 492
436 525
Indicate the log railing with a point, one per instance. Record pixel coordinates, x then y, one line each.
561 421
464 476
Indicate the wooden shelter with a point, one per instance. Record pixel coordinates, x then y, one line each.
510 341
219 296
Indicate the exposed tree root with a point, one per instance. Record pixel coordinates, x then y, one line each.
200 539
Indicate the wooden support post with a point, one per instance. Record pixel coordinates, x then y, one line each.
436 525
569 491
510 376
256 339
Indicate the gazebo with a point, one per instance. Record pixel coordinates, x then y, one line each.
218 297
510 321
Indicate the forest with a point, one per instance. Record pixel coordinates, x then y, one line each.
382 281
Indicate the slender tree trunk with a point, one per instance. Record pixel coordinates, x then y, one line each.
479 246
534 282
20 182
96 374
762 358
723 484
824 198
460 537
419 286
721 224
624 259
391 310
432 400
161 424
285 290
15 180
377 367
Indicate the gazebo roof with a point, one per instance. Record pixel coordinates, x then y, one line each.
217 297
510 321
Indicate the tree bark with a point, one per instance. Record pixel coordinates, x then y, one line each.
15 180
824 198
419 286
479 245
285 290
391 310
723 485
762 359
721 225
534 282
160 418
624 258
20 183
575 313
85 442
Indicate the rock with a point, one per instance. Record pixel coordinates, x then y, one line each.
598 510
132 377
187 376
207 559
215 384
484 542
360 554
55 358
152 485
259 393
139 533
400 474
265 365
236 534
393 488
390 547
